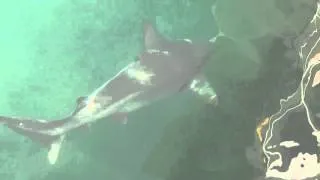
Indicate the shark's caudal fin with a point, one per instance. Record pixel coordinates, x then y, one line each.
34 129
49 134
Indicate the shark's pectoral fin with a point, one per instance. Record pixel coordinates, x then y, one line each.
202 88
54 150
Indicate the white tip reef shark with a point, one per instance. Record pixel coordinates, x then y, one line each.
163 68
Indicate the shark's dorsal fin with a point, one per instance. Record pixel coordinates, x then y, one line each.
154 41
152 38
80 103
81 99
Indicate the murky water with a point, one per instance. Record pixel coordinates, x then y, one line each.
214 110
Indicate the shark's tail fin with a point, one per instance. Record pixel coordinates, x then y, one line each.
35 130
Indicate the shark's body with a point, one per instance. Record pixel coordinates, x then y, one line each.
162 69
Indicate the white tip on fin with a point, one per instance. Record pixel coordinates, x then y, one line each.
54 150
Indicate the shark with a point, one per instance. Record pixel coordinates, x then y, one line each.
163 68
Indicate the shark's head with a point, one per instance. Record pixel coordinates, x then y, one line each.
189 52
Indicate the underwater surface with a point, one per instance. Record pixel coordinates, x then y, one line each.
159 90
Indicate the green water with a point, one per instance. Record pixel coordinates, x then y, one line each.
55 51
